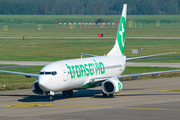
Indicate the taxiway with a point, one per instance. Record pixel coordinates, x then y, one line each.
157 99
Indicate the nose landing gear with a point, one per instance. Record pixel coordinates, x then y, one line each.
51 97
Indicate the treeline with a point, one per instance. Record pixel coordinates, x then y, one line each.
89 7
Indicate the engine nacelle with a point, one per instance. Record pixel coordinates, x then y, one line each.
36 89
112 86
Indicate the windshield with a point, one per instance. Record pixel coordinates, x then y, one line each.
48 73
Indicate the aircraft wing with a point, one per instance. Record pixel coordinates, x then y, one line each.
136 58
28 75
134 76
154 74
88 55
133 58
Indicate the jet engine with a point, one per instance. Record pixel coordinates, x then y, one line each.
36 89
111 86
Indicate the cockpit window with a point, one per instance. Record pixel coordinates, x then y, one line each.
41 73
48 73
54 73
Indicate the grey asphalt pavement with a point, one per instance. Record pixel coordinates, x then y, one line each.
153 99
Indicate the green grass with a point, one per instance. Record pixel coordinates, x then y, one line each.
53 32
153 32
155 47
26 25
12 78
7 65
152 18
133 70
52 19
55 49
21 82
13 82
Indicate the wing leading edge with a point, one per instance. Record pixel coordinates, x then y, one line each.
136 58
134 76
20 73
148 73
133 58
89 55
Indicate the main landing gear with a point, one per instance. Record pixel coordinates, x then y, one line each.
67 93
51 96
110 95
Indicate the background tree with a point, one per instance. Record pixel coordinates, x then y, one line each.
89 7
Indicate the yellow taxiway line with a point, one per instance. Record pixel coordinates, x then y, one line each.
116 107
51 105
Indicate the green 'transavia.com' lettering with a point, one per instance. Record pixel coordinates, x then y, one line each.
88 69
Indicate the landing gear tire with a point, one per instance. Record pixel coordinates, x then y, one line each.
111 95
104 95
51 98
46 93
70 93
64 93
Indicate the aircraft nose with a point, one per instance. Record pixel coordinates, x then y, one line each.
43 84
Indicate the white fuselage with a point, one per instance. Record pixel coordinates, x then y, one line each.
75 73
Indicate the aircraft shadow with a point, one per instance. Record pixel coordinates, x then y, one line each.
80 93
43 98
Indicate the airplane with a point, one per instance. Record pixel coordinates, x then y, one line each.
105 71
